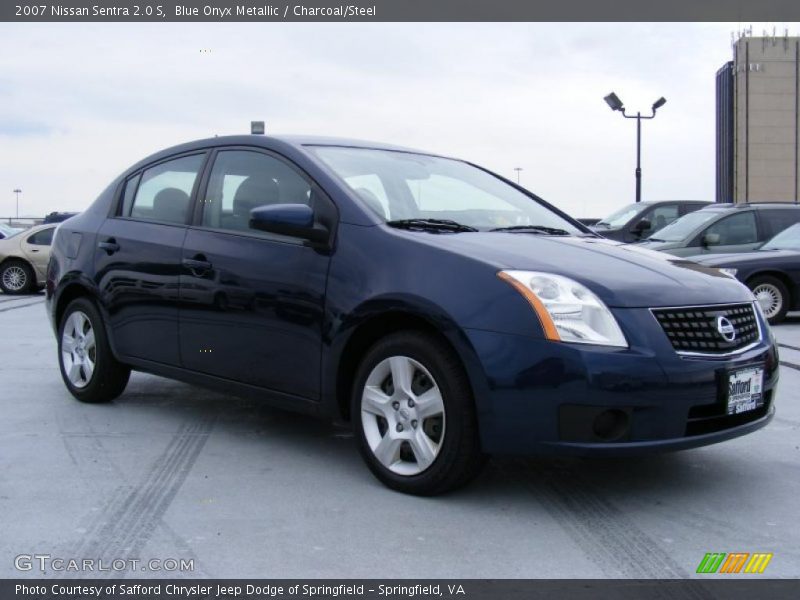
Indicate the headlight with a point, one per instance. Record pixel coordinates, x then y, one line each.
729 271
568 311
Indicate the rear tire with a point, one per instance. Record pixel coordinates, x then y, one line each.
413 415
17 277
88 367
772 295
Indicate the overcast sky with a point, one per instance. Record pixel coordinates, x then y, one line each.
82 102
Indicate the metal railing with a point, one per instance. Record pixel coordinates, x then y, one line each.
22 221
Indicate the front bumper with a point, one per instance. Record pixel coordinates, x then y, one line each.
539 397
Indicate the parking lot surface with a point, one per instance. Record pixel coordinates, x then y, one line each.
173 471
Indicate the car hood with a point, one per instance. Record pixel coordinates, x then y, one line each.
654 245
721 259
618 233
622 275
601 228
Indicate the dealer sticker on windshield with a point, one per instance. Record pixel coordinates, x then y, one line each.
745 390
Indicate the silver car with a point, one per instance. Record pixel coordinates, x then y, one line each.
23 260
724 228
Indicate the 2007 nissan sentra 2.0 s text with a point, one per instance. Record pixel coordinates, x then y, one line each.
447 313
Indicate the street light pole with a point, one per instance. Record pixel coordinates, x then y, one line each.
616 104
639 155
518 170
17 191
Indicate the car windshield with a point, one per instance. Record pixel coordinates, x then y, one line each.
402 186
621 216
682 228
788 239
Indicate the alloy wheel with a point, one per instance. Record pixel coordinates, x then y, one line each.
769 298
78 349
15 278
403 416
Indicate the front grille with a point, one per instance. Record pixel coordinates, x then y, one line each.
695 328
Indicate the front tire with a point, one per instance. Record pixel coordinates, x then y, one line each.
17 277
772 295
88 367
414 415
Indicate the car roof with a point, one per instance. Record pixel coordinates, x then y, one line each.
750 205
657 202
299 142
309 140
39 227
23 233
269 141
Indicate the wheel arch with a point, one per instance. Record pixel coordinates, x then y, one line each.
377 324
22 259
71 291
72 288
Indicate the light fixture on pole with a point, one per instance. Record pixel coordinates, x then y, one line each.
17 192
615 104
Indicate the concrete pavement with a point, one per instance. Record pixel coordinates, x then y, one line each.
170 471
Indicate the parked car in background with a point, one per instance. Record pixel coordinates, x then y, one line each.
23 260
636 221
772 272
588 221
445 312
58 217
724 228
7 231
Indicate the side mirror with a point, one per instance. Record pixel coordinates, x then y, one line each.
710 239
295 220
642 226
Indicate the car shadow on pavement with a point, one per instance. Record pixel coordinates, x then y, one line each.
332 448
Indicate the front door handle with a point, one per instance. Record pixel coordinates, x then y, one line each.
110 246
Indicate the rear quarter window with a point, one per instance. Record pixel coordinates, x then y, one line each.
773 221
42 238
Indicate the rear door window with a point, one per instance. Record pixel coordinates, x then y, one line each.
164 191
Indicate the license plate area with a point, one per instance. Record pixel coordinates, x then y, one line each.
744 390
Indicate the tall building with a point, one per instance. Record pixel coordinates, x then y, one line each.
758 121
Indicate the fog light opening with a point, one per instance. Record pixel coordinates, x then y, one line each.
611 425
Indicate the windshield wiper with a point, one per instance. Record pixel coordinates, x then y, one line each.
533 229
435 225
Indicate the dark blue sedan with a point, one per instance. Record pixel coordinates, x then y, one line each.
772 272
446 312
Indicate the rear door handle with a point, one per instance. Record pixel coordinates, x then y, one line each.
197 265
110 246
